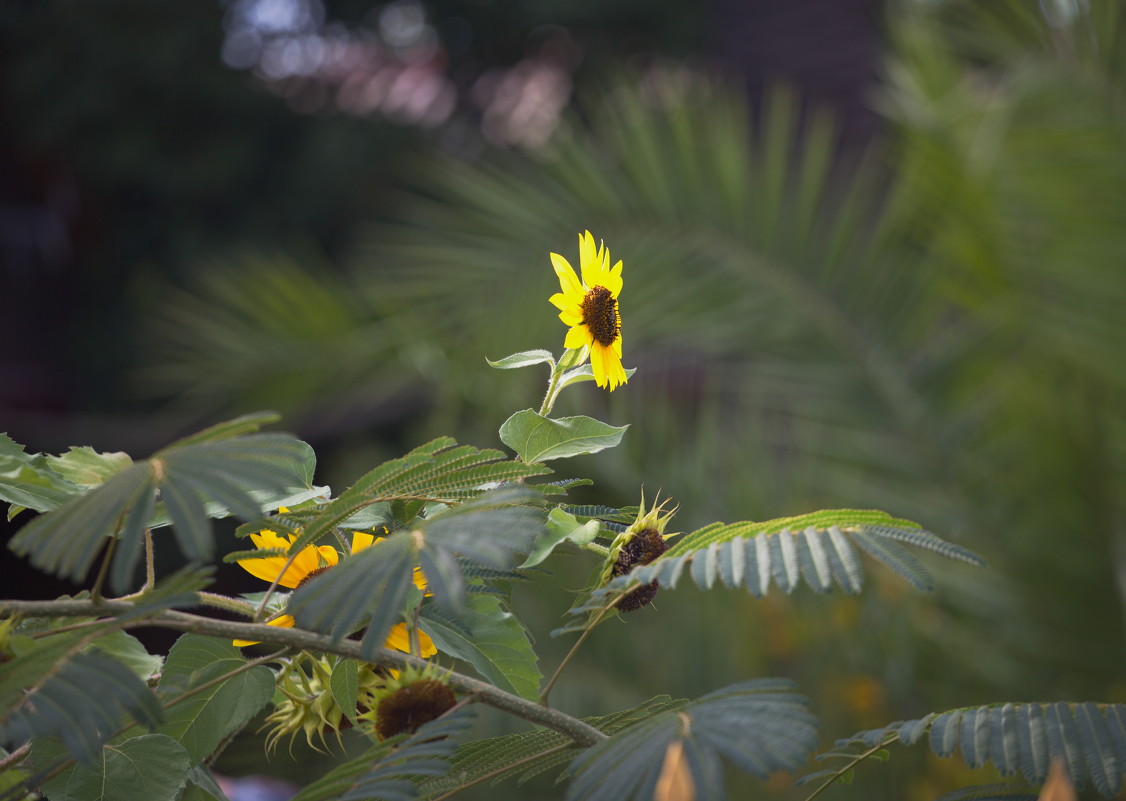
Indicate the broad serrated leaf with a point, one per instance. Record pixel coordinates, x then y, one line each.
129 651
28 481
496 644
151 767
761 726
561 527
83 700
201 786
536 438
202 719
87 467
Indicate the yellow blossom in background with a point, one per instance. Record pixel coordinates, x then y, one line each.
590 308
312 561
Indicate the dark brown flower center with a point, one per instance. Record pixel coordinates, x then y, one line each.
645 546
312 574
600 316
408 708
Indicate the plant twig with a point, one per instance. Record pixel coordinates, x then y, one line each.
836 777
579 731
574 648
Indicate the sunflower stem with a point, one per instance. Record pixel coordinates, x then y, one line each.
225 602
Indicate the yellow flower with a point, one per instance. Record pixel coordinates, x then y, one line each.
312 561
590 307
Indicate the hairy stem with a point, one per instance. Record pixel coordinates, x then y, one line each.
230 604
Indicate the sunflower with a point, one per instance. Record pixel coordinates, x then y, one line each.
312 560
591 309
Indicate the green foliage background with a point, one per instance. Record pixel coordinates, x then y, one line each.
933 327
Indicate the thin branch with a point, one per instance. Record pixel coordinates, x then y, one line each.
16 757
580 732
230 604
574 648
836 777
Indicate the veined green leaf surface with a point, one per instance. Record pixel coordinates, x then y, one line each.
151 767
536 438
525 358
203 719
496 644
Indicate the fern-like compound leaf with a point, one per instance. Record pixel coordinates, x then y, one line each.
1024 738
761 726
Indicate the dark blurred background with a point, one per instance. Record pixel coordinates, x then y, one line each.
873 257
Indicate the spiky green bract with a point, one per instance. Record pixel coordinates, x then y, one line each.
762 726
394 769
224 464
818 548
368 589
518 752
1023 738
54 688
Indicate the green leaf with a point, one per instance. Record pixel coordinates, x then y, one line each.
760 725
496 644
392 770
87 468
816 548
151 767
561 527
214 467
524 358
127 649
202 786
584 372
535 751
82 700
246 424
202 720
344 683
1023 737
536 438
27 481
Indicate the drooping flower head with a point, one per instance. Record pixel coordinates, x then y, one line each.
311 562
640 544
590 308
405 702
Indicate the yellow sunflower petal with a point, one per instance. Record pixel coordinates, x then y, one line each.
571 317
565 303
399 639
611 367
612 279
419 579
598 364
568 281
589 260
360 541
285 622
577 337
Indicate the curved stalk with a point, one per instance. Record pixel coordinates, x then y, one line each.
580 732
